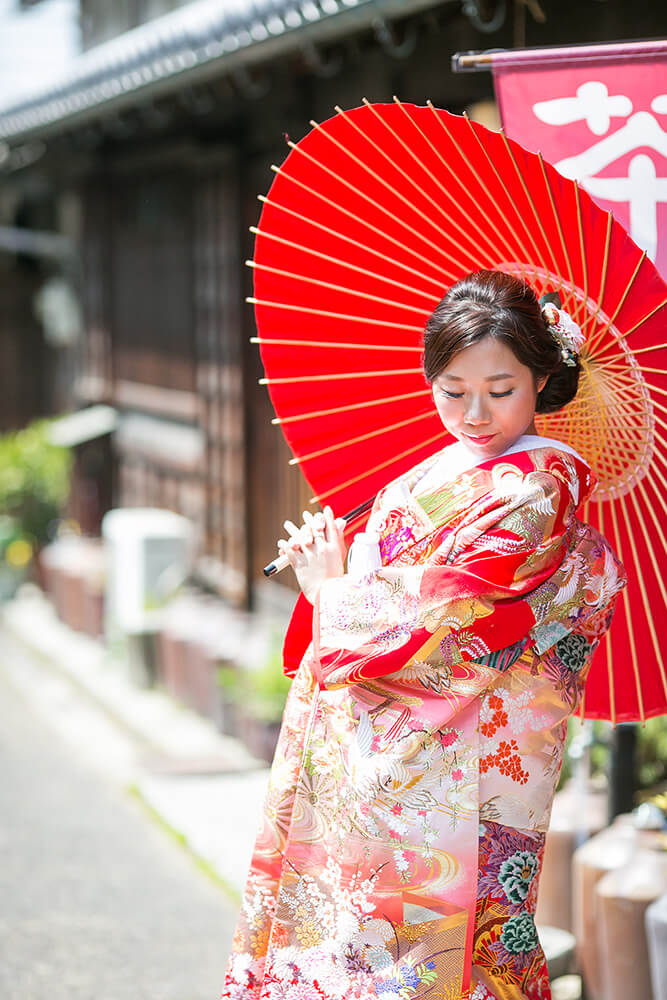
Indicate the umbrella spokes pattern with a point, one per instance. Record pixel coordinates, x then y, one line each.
373 215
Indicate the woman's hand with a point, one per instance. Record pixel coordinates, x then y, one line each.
315 551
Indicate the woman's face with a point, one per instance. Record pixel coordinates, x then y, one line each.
486 398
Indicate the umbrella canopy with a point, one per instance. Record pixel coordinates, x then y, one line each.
373 215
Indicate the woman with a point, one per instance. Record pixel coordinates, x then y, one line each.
423 736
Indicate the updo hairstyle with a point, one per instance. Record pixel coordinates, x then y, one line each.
495 304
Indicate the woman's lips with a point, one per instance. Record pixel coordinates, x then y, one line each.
480 440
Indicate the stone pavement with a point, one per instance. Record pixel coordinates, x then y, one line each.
96 901
203 786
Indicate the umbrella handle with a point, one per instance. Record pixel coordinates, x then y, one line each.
277 566
282 562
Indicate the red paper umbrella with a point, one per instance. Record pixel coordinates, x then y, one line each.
373 215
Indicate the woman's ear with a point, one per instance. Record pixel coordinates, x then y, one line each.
541 382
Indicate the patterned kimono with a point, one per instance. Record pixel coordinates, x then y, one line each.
422 741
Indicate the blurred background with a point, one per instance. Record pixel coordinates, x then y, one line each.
142 484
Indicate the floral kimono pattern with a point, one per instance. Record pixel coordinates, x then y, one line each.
411 790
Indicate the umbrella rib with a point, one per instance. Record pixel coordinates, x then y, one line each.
339 260
419 163
627 402
627 397
363 222
626 333
581 710
624 441
640 579
653 311
663 459
623 367
376 468
660 406
350 406
367 198
600 333
630 430
655 471
336 288
610 671
329 376
615 373
592 317
331 315
582 248
610 676
454 177
339 445
348 346
656 435
620 354
439 208
658 526
556 220
628 616
613 459
483 186
533 207
659 420
381 180
621 445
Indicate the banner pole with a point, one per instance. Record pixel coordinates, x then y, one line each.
473 62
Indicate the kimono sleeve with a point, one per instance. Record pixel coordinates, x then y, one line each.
466 599
581 593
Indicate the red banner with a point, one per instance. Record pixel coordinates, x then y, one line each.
599 114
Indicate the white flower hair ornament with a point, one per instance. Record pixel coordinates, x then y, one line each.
564 331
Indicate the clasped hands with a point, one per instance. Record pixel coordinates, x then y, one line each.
315 551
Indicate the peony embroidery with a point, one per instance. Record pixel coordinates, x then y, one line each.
574 651
516 874
519 934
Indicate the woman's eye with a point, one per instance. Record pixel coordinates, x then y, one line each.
494 395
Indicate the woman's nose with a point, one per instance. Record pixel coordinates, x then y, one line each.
476 411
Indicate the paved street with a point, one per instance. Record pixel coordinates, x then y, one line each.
96 902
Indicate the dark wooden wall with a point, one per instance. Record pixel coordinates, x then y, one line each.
25 359
220 376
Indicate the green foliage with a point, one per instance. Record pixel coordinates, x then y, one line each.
651 759
261 691
34 480
652 752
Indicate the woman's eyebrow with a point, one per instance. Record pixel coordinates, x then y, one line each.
489 378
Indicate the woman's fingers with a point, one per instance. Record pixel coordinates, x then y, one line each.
292 551
302 535
316 529
329 524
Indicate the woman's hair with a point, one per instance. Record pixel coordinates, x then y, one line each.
495 304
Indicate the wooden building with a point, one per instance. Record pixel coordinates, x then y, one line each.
164 131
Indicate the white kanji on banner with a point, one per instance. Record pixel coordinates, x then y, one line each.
603 126
640 187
